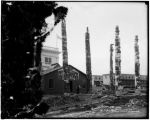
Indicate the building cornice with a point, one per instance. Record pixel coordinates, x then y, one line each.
50 51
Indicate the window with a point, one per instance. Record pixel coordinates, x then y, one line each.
47 60
51 83
97 83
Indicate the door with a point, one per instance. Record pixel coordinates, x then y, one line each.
71 86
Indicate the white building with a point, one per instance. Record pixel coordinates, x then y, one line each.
127 80
97 80
106 79
49 57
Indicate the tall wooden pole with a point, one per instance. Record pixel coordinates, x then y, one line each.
111 68
64 43
117 58
137 62
65 56
88 61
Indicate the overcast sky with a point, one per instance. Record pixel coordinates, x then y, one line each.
102 18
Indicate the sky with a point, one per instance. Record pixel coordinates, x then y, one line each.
102 19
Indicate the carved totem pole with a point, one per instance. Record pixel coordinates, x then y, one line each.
64 43
137 62
88 61
111 67
117 58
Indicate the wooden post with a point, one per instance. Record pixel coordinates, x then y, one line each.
137 62
88 61
111 68
117 58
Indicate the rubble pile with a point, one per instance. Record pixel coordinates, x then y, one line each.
132 105
106 109
137 103
97 95
107 100
113 100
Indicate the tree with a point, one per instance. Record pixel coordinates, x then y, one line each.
21 23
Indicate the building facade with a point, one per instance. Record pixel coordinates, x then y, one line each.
127 80
62 80
97 80
49 56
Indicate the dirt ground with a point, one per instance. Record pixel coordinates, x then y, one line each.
98 114
95 106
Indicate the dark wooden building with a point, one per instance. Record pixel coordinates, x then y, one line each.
64 80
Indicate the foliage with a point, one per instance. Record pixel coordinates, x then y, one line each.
21 23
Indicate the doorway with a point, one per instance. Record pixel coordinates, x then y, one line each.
71 86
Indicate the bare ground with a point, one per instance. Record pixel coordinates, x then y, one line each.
90 106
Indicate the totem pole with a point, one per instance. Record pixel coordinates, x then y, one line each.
137 62
111 68
64 43
67 85
88 61
117 58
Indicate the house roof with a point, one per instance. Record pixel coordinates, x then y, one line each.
50 71
78 70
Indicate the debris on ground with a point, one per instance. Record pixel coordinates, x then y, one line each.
107 99
38 111
93 104
56 101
